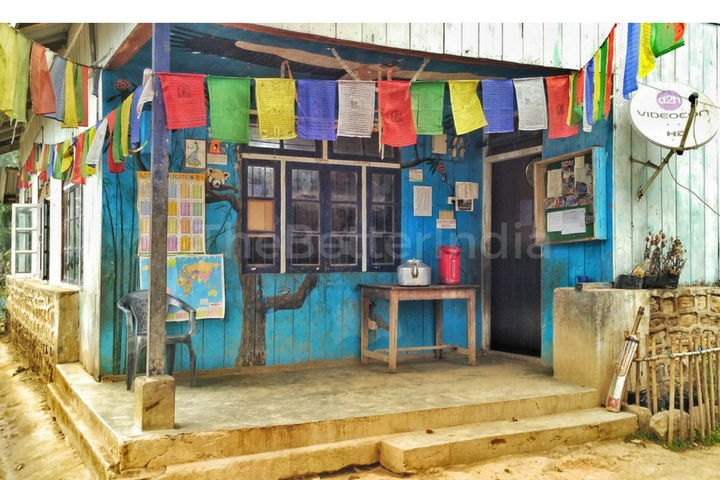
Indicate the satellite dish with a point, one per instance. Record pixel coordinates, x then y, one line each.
659 112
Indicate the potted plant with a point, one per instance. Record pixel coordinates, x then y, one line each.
654 256
633 281
674 262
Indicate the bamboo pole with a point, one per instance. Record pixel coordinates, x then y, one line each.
638 368
712 381
707 387
648 384
654 379
691 399
717 368
698 388
671 408
626 391
683 420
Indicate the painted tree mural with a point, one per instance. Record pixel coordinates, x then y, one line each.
255 305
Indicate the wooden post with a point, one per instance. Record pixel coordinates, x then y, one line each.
712 372
159 166
638 370
691 399
683 422
671 407
698 388
654 378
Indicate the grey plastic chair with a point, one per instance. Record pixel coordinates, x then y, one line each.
135 307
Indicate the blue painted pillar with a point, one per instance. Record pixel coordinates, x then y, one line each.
159 164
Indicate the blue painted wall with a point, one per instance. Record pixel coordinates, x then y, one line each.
561 263
327 326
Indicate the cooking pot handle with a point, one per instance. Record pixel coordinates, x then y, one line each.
415 270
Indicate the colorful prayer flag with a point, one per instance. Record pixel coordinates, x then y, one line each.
558 105
631 60
8 68
229 108
666 37
316 109
532 107
125 125
609 72
42 94
19 109
598 87
184 96
588 112
398 126
77 176
427 104
497 100
646 58
467 111
113 165
575 108
275 98
70 120
57 78
356 108
95 153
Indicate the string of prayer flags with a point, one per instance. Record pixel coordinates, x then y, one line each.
398 126
184 96
70 120
646 58
666 37
356 108
275 98
428 100
532 107
632 59
19 109
558 106
467 110
497 100
316 109
42 95
229 108
57 78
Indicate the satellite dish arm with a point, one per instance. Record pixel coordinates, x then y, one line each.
691 117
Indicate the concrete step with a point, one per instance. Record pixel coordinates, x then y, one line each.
418 451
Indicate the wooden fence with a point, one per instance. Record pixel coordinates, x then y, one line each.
689 384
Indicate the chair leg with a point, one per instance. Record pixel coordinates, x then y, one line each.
130 364
170 347
192 365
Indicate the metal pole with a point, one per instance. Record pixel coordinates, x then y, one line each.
159 163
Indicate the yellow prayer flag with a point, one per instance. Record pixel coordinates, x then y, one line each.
275 99
125 125
467 110
67 156
8 68
597 108
646 60
71 120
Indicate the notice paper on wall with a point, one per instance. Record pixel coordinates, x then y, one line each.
567 222
422 204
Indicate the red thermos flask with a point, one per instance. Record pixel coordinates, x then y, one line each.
449 265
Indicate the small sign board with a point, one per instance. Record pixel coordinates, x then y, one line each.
659 112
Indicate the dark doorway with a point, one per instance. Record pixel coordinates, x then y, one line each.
515 271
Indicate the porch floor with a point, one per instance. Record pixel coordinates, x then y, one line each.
244 415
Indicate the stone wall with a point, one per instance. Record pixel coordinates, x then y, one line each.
683 313
42 321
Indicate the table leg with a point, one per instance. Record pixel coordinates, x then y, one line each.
471 328
364 359
393 331
438 326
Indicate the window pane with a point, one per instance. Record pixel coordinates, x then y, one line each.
260 215
261 251
305 250
371 146
348 145
255 140
382 219
261 181
343 250
23 218
299 144
383 187
344 218
306 184
23 262
382 250
305 217
343 186
23 240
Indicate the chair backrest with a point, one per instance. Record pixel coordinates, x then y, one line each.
135 307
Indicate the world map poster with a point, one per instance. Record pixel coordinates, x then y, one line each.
197 279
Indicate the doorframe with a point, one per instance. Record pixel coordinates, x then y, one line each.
486 261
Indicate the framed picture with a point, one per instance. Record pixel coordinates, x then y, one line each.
195 153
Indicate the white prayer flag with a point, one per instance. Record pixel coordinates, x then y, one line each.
356 113
532 106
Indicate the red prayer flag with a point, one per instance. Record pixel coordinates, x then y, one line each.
77 177
184 96
42 94
558 103
113 167
43 161
398 126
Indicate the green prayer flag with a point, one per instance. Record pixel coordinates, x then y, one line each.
79 97
57 164
666 37
575 111
599 111
427 100
117 137
229 108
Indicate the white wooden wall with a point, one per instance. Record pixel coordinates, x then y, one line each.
688 209
562 45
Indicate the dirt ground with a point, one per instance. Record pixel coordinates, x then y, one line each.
32 447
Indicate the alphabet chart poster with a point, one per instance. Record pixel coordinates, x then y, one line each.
186 213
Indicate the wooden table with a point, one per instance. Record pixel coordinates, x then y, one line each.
396 294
